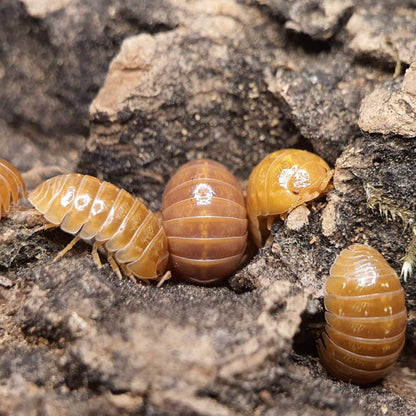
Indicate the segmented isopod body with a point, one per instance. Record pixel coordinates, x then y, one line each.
282 181
205 219
365 318
99 211
10 182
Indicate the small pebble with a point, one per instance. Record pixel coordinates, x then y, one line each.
5 282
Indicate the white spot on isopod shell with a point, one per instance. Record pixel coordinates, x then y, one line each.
203 193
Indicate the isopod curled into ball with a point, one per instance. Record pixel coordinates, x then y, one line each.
10 182
365 318
95 210
205 219
282 181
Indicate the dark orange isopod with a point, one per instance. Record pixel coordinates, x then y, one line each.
205 220
10 182
365 317
99 211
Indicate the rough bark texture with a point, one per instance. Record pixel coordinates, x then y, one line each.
130 90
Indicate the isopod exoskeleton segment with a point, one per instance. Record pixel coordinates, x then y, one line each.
111 217
282 181
10 182
205 220
365 317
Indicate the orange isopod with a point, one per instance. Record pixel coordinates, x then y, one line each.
365 317
282 181
205 219
99 211
10 182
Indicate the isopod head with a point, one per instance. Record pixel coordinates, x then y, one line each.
282 181
205 220
365 317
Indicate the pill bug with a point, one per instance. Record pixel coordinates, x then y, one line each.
365 317
99 211
10 182
282 181
205 220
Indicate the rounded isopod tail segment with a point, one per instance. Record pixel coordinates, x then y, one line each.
11 186
365 317
111 217
282 181
205 219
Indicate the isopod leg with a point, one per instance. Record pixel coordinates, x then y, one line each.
114 265
165 277
45 227
131 276
67 248
270 221
95 255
